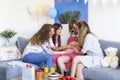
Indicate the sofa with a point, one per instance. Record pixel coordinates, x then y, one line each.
7 71
12 68
104 73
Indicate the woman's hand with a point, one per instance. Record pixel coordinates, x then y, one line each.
69 50
67 46
73 43
77 49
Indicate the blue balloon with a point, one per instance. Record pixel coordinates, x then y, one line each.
52 12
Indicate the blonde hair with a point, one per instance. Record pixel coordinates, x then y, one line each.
42 35
83 30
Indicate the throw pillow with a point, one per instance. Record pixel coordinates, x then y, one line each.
9 53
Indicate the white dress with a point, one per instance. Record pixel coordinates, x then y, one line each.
94 52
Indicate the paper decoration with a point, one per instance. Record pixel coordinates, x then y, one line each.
85 1
93 2
104 2
115 2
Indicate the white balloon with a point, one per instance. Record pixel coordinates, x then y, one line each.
31 9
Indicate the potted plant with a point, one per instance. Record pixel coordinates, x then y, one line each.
67 16
7 34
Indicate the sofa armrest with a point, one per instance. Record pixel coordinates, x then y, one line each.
21 43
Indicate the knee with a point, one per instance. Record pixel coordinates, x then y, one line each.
59 60
80 66
75 59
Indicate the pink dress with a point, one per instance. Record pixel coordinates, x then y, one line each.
70 55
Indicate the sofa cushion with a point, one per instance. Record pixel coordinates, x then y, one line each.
9 53
102 73
105 44
12 69
21 43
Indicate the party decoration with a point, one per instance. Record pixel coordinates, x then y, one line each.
85 1
104 2
31 9
40 9
52 12
94 2
46 9
77 0
115 2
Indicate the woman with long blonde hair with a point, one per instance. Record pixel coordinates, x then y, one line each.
38 50
89 45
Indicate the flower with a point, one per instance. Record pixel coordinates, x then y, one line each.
7 34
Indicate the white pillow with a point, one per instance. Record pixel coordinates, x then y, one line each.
9 53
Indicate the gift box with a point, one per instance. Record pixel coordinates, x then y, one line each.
28 73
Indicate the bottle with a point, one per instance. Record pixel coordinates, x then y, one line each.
45 73
39 75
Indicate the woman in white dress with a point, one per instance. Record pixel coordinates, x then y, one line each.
89 45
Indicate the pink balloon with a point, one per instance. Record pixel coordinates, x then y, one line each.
46 9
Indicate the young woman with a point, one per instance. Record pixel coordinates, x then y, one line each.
57 43
64 61
38 50
89 45
73 30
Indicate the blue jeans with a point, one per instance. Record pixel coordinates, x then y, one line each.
41 59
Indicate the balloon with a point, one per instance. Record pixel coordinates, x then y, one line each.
52 12
46 9
31 9
40 9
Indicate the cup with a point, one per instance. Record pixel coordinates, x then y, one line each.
52 70
46 69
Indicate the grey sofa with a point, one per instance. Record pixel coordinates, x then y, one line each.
104 73
7 72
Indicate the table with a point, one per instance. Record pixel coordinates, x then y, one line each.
20 78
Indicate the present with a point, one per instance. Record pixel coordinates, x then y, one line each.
28 73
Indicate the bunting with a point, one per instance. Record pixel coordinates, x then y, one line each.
115 2
104 2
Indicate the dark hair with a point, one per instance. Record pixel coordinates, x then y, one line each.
56 27
42 35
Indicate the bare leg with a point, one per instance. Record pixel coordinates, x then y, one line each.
55 65
74 66
79 73
61 63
